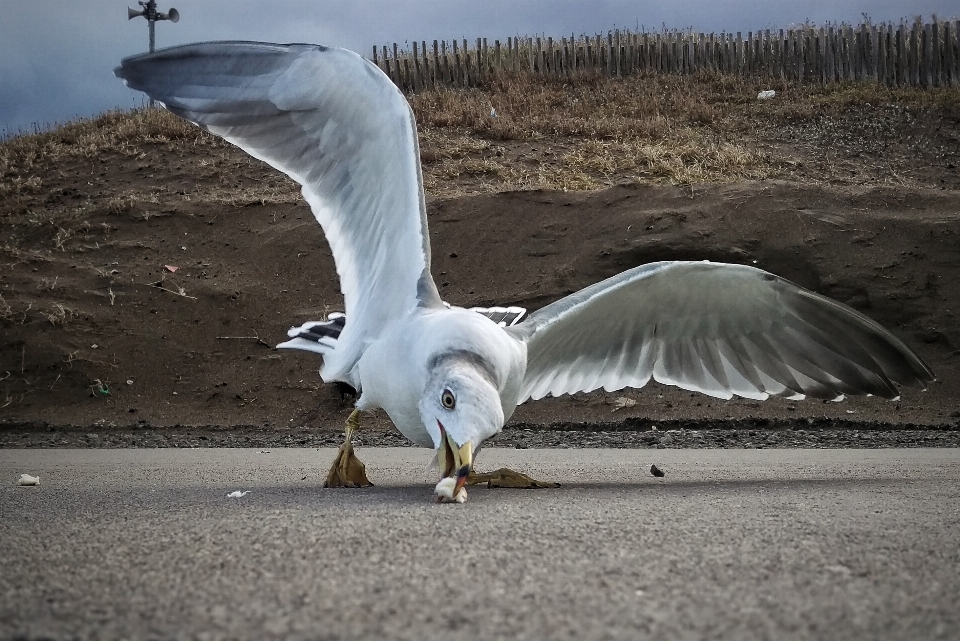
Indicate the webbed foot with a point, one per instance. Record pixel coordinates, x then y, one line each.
347 470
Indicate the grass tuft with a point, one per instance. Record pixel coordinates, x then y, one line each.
112 132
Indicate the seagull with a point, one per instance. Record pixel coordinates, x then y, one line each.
449 377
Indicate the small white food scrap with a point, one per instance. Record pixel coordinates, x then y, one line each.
444 491
237 494
26 479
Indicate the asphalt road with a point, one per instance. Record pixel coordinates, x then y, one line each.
730 544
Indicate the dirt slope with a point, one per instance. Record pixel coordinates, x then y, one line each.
96 328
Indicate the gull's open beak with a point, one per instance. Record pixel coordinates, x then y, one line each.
454 460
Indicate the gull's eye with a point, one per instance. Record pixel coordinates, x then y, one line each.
448 400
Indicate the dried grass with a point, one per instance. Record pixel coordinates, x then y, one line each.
58 314
6 312
273 194
662 127
531 108
669 128
112 132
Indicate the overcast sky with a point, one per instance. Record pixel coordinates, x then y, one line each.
56 57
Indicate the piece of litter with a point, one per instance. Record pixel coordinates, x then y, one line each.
851 411
236 494
766 95
622 401
129 381
493 112
26 479
171 268
656 471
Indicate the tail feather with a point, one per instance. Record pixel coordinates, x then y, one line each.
316 336
321 336
502 316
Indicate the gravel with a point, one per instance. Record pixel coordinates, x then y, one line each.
687 434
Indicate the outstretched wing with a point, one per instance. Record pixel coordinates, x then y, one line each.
335 123
712 328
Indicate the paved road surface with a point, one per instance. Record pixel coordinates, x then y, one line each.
731 544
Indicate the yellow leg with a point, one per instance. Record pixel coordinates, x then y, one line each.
507 478
347 470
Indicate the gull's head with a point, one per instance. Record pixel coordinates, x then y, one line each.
460 408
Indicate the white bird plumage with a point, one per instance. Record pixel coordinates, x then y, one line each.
337 125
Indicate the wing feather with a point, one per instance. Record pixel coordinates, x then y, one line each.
714 328
334 123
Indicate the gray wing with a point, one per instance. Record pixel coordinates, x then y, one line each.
335 123
712 328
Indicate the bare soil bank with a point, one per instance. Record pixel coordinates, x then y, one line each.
99 334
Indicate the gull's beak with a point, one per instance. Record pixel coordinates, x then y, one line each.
454 460
464 457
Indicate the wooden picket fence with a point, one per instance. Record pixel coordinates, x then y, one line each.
918 54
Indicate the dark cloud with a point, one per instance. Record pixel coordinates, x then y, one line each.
56 59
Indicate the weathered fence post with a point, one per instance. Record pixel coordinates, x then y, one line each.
818 55
955 57
397 80
879 48
616 54
767 53
947 55
416 67
780 53
564 57
850 57
949 47
485 66
829 56
935 46
457 64
610 53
